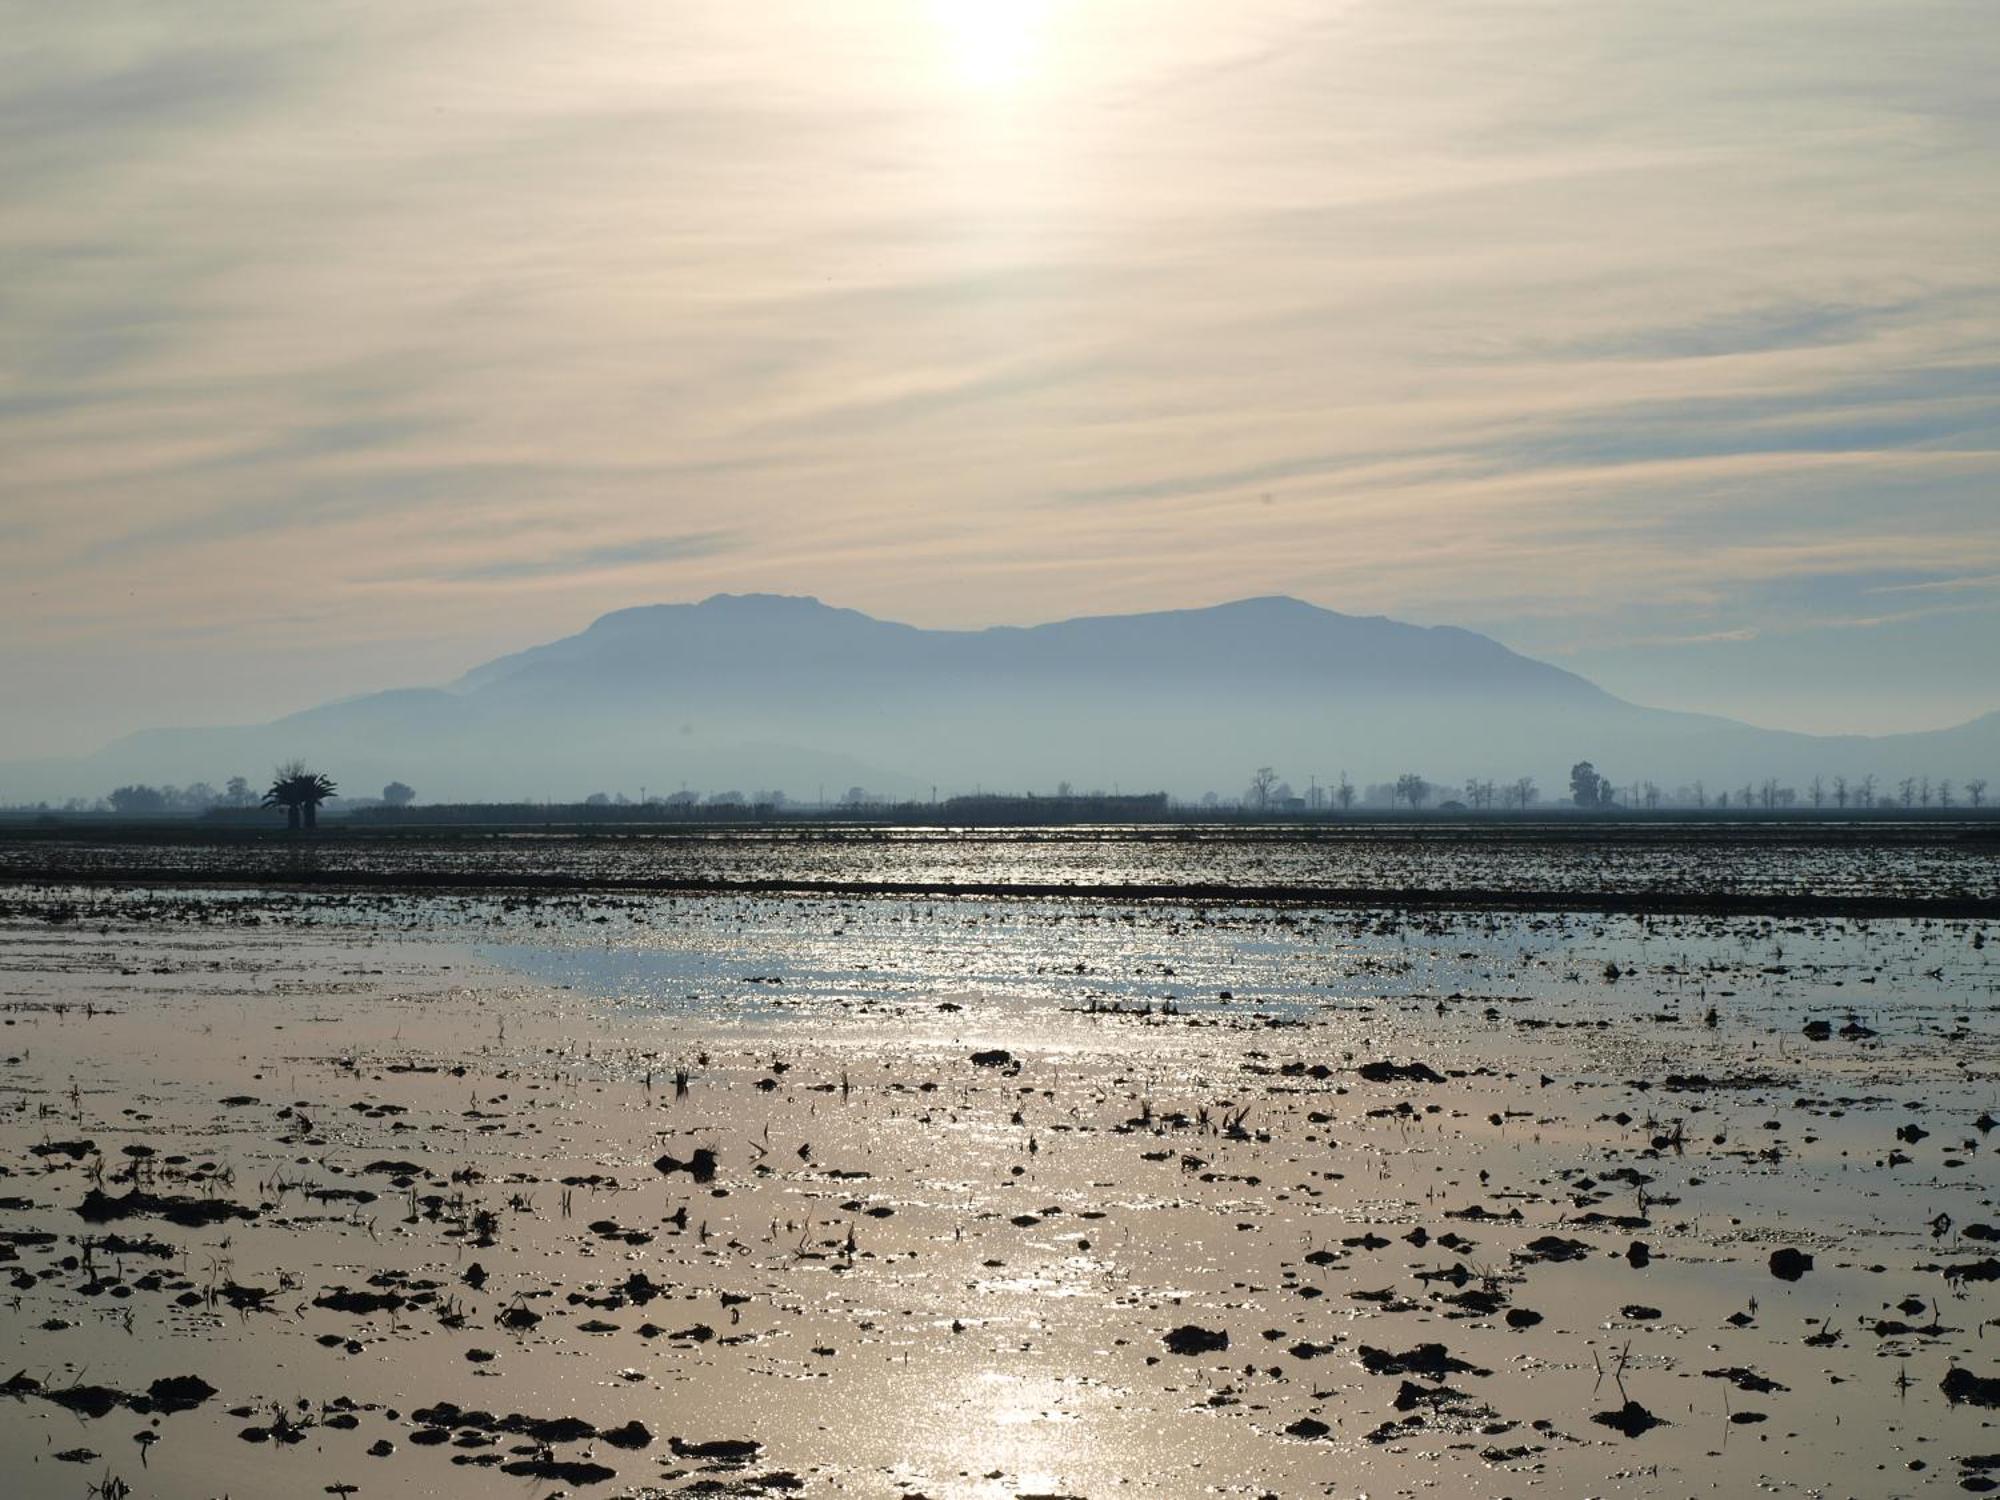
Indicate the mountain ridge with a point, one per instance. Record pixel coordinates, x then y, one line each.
767 691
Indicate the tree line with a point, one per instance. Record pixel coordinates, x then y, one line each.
295 790
300 793
1591 789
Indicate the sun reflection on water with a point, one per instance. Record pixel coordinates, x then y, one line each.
999 1432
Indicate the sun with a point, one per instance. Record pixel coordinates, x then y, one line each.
991 46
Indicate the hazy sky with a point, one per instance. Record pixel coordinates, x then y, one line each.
344 346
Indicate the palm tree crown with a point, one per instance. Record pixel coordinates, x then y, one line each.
299 792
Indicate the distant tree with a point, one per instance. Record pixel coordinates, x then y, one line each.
1586 787
1816 789
398 794
1344 793
1210 801
238 792
139 799
1700 794
1924 791
299 792
1864 794
1945 793
1769 792
1413 789
1260 787
598 799
1975 791
1651 794
1839 791
1907 790
1722 799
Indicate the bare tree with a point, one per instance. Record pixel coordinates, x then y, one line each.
1944 793
1700 794
1344 793
1839 791
1413 789
1816 789
1260 787
1907 790
1975 791
1864 795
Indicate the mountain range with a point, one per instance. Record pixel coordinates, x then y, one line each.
753 692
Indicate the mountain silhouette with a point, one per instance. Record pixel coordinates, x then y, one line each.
758 691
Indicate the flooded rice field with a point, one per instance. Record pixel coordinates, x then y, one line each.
1827 859
623 1194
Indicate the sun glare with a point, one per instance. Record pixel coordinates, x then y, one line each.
991 45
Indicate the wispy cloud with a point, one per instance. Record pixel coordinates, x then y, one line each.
430 325
1978 582
581 561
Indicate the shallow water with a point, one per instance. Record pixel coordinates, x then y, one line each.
1919 859
998 1331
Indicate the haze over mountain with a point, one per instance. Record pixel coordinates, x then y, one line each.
751 692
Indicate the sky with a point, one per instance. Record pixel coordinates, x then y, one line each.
345 347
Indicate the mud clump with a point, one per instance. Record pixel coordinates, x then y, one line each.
717 1450
100 1207
1962 1387
1431 1360
1632 1419
1394 1072
700 1166
1789 1264
1189 1339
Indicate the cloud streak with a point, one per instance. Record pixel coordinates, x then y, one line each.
1577 323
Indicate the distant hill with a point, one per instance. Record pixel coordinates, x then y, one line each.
754 692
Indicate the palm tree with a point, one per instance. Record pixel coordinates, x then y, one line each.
299 792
